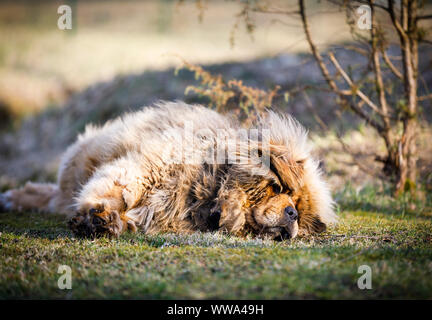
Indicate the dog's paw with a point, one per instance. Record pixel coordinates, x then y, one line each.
94 224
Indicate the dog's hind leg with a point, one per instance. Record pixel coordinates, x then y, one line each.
40 197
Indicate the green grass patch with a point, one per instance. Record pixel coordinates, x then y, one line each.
211 265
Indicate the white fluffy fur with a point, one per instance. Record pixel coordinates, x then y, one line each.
133 154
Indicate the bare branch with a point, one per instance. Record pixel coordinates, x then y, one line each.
359 50
429 16
315 51
428 95
377 69
326 74
390 64
354 158
375 5
425 97
274 11
357 91
425 41
316 116
395 21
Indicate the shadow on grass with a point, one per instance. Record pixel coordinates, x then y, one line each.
35 225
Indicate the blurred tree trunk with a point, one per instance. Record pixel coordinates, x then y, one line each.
400 163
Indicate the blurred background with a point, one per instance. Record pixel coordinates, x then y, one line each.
122 55
41 66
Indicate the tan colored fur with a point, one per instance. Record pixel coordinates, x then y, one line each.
121 176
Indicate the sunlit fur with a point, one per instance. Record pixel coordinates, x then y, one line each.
120 176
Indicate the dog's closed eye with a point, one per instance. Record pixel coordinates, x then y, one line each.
276 188
95 211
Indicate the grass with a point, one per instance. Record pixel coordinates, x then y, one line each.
396 246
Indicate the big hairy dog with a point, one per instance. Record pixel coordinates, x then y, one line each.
175 167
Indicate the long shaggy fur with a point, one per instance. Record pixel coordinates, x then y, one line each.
150 170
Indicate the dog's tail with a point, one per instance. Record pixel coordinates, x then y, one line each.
40 197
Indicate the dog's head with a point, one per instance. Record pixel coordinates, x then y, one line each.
281 197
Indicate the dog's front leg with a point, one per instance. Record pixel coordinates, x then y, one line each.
103 202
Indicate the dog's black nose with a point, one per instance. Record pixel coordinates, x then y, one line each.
291 213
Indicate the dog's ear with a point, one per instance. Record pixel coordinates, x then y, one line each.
309 219
288 171
309 224
317 226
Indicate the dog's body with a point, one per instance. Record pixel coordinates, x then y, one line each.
182 168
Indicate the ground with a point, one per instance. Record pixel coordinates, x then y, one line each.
394 243
130 53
